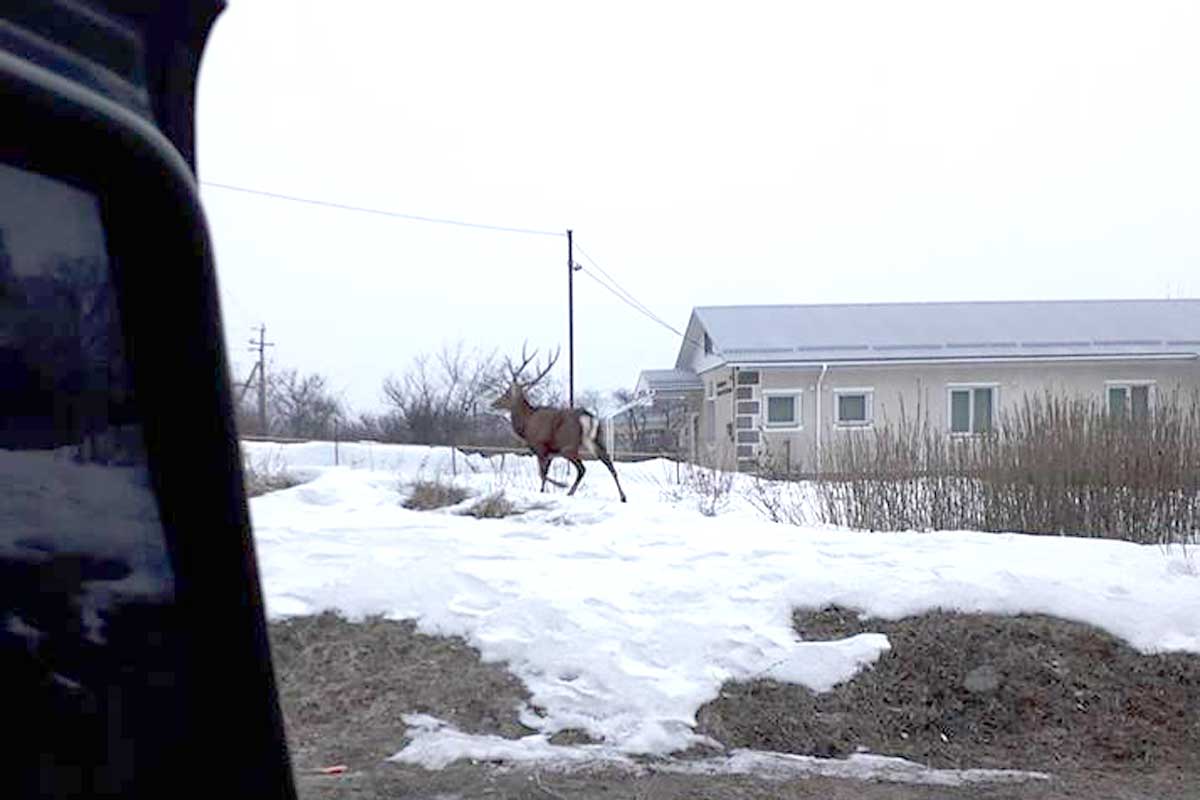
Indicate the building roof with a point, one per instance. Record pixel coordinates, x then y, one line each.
665 382
892 331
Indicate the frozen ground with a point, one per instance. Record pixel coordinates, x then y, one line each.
623 619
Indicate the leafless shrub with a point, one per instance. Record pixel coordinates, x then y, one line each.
709 487
1053 465
298 405
267 474
775 491
441 399
492 506
657 428
301 406
778 500
427 495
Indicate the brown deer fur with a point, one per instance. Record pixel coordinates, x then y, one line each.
551 432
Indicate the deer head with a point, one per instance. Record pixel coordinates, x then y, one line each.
515 395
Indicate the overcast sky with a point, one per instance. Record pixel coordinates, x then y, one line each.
703 153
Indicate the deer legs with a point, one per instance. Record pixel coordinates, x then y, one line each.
544 468
579 476
603 456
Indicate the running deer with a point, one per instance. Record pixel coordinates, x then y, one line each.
549 431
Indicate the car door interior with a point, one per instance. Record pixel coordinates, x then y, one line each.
131 613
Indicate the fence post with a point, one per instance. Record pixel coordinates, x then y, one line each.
335 442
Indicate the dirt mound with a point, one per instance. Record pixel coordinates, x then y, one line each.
344 687
979 690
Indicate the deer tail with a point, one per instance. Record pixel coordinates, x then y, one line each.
591 431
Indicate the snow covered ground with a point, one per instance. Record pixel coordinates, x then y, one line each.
623 619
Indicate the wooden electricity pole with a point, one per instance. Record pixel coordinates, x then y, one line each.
261 345
570 322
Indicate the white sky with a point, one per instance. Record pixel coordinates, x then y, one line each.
703 153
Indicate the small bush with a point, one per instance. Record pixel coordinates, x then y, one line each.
709 487
778 499
269 474
430 494
492 506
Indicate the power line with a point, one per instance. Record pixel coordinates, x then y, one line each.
630 302
617 290
637 303
647 314
224 290
381 212
625 296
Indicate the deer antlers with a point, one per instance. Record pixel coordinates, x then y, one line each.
525 359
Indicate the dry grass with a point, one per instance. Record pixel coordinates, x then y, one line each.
427 495
979 690
344 687
1053 465
268 474
492 506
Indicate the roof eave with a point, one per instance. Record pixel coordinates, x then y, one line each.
1017 359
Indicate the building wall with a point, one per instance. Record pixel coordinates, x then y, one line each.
897 389
716 418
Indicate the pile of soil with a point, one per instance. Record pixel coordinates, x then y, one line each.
344 686
1006 692
979 690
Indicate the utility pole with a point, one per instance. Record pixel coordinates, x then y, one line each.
247 384
570 322
261 345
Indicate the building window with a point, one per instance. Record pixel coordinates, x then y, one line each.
853 408
707 344
972 409
1129 399
783 409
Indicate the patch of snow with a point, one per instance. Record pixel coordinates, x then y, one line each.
435 744
860 766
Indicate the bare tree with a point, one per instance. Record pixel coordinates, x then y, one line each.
592 400
386 427
676 416
301 406
660 427
631 423
440 399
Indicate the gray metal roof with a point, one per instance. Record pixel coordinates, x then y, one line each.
890 331
666 381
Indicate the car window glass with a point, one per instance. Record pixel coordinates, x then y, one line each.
85 580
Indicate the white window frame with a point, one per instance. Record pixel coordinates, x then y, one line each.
951 388
1128 385
767 394
869 393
